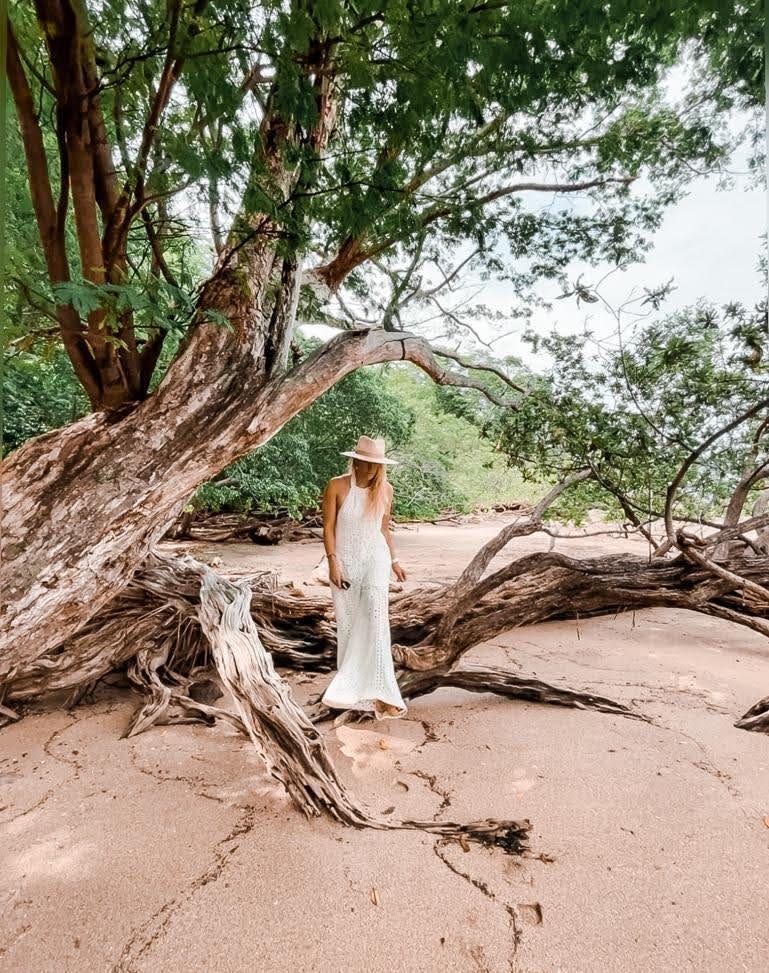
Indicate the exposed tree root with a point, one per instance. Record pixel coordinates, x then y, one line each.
492 679
294 752
156 614
152 626
756 718
177 616
184 617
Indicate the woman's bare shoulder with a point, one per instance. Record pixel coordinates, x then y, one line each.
336 483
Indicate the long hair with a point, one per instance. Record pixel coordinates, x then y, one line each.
376 499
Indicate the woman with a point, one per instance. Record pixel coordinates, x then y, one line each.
360 552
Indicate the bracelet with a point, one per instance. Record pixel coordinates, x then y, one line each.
331 555
393 563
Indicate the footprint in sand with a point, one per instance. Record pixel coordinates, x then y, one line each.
374 750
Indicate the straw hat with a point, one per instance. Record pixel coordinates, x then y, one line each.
371 450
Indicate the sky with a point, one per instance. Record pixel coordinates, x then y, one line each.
708 244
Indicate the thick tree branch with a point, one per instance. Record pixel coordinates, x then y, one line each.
49 218
363 346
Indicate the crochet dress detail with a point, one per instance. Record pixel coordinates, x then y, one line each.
365 671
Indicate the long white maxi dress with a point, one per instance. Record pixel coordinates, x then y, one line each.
365 670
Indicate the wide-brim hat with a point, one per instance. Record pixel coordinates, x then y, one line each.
370 450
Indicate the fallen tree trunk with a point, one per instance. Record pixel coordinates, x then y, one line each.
259 528
168 646
177 618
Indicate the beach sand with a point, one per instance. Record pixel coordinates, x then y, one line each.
175 851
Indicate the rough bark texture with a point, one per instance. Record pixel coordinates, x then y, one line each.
176 618
292 748
158 610
84 505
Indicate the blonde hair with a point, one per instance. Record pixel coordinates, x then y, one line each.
377 493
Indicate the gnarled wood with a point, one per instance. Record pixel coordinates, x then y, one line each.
756 718
290 745
296 625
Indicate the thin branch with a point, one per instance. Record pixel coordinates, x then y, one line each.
467 589
486 368
353 253
691 459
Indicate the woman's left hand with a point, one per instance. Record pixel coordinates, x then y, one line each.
400 573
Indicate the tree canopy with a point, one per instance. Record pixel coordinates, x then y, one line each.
148 132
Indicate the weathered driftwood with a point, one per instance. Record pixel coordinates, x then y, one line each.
756 718
290 745
176 618
159 609
259 528
209 620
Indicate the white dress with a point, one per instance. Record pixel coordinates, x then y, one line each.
365 670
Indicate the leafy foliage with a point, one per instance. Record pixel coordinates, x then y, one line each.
448 465
39 394
454 119
446 111
633 413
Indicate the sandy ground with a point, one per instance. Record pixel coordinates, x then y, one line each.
173 851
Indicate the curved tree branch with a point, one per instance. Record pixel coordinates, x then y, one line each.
695 454
443 353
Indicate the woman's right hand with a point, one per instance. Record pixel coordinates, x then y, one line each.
335 573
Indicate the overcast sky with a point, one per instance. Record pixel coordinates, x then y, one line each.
709 244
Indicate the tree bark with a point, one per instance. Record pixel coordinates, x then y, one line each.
756 718
50 226
176 617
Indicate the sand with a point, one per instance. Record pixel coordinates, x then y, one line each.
174 851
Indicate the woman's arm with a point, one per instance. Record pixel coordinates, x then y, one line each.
386 519
328 509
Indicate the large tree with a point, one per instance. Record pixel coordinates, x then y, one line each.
321 139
